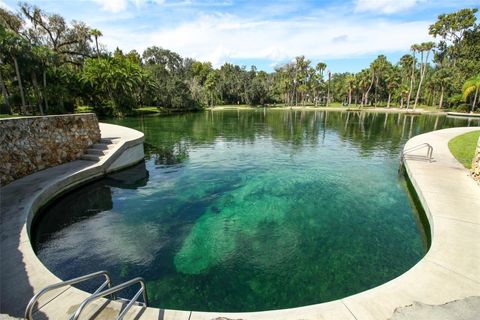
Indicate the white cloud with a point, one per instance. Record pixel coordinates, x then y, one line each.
220 38
385 6
116 6
5 6
113 6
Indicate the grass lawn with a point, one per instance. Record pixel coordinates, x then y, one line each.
463 147
146 110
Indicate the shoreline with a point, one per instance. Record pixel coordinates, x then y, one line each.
341 109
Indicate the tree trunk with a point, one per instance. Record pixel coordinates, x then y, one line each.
5 93
349 97
45 90
475 99
440 103
412 79
96 44
19 78
37 91
389 98
328 88
295 94
369 88
423 68
401 103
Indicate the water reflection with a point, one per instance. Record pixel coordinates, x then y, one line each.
248 210
367 131
84 203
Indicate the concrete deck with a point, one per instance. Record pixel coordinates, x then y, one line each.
450 270
464 115
22 274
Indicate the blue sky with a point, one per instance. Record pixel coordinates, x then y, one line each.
347 35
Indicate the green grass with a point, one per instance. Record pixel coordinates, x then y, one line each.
463 147
146 110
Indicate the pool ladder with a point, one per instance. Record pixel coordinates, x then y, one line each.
96 295
415 148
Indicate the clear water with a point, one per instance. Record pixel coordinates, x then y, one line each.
248 210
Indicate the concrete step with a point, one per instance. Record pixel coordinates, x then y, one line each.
96 151
90 157
100 146
108 140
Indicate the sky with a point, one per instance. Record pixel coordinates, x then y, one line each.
346 35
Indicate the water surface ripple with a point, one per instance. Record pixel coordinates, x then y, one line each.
248 210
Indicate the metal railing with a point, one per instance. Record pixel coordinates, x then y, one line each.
418 147
113 290
31 303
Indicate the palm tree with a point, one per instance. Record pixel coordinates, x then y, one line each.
441 77
380 65
414 49
423 48
320 69
96 34
392 79
472 86
351 83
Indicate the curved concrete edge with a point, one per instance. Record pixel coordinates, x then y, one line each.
22 273
463 115
448 272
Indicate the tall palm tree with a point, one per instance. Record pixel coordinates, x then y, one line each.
423 48
414 49
393 81
441 78
472 86
96 34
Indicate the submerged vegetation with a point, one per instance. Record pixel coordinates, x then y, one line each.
50 66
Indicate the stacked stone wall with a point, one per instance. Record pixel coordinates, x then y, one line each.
476 163
30 144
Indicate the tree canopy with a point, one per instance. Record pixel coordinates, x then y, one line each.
50 65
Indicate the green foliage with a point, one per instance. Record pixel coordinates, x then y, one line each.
471 89
113 83
48 65
463 147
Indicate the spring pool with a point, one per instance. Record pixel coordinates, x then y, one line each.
248 210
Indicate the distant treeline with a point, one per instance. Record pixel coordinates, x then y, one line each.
50 66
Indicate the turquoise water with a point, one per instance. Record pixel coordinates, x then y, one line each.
248 210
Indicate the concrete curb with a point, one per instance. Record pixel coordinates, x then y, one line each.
449 271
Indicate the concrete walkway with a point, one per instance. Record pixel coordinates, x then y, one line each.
22 274
450 270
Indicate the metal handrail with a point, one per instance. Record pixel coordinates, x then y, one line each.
107 292
418 147
31 303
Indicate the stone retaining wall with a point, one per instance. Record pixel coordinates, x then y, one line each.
476 163
31 144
